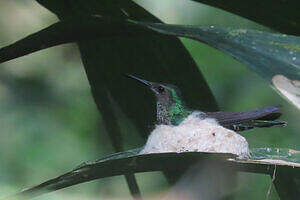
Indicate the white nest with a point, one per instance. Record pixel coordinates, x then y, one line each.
194 134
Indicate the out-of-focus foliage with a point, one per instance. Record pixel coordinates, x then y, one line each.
49 121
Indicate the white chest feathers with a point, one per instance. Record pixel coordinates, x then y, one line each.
194 134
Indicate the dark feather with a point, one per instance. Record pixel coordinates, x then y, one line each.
246 120
254 124
271 116
227 118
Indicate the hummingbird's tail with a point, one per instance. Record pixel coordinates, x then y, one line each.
255 124
245 120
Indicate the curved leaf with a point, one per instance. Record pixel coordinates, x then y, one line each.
80 28
131 161
270 55
267 54
279 15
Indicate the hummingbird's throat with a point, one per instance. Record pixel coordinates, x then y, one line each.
172 114
162 114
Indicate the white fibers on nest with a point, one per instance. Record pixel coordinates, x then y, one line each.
195 134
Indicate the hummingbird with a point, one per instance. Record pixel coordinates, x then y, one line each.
171 110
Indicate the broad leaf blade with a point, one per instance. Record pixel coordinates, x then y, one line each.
282 16
266 53
131 161
270 55
72 30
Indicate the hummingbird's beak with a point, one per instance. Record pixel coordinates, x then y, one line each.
140 80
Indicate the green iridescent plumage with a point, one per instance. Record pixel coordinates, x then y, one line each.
177 111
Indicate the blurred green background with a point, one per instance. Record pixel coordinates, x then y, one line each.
49 122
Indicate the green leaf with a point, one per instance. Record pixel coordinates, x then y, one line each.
272 56
282 16
267 54
80 28
131 161
275 57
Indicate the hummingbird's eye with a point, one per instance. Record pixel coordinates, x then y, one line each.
161 89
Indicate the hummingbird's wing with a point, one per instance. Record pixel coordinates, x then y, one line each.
239 121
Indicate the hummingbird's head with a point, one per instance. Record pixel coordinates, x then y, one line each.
166 94
170 108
